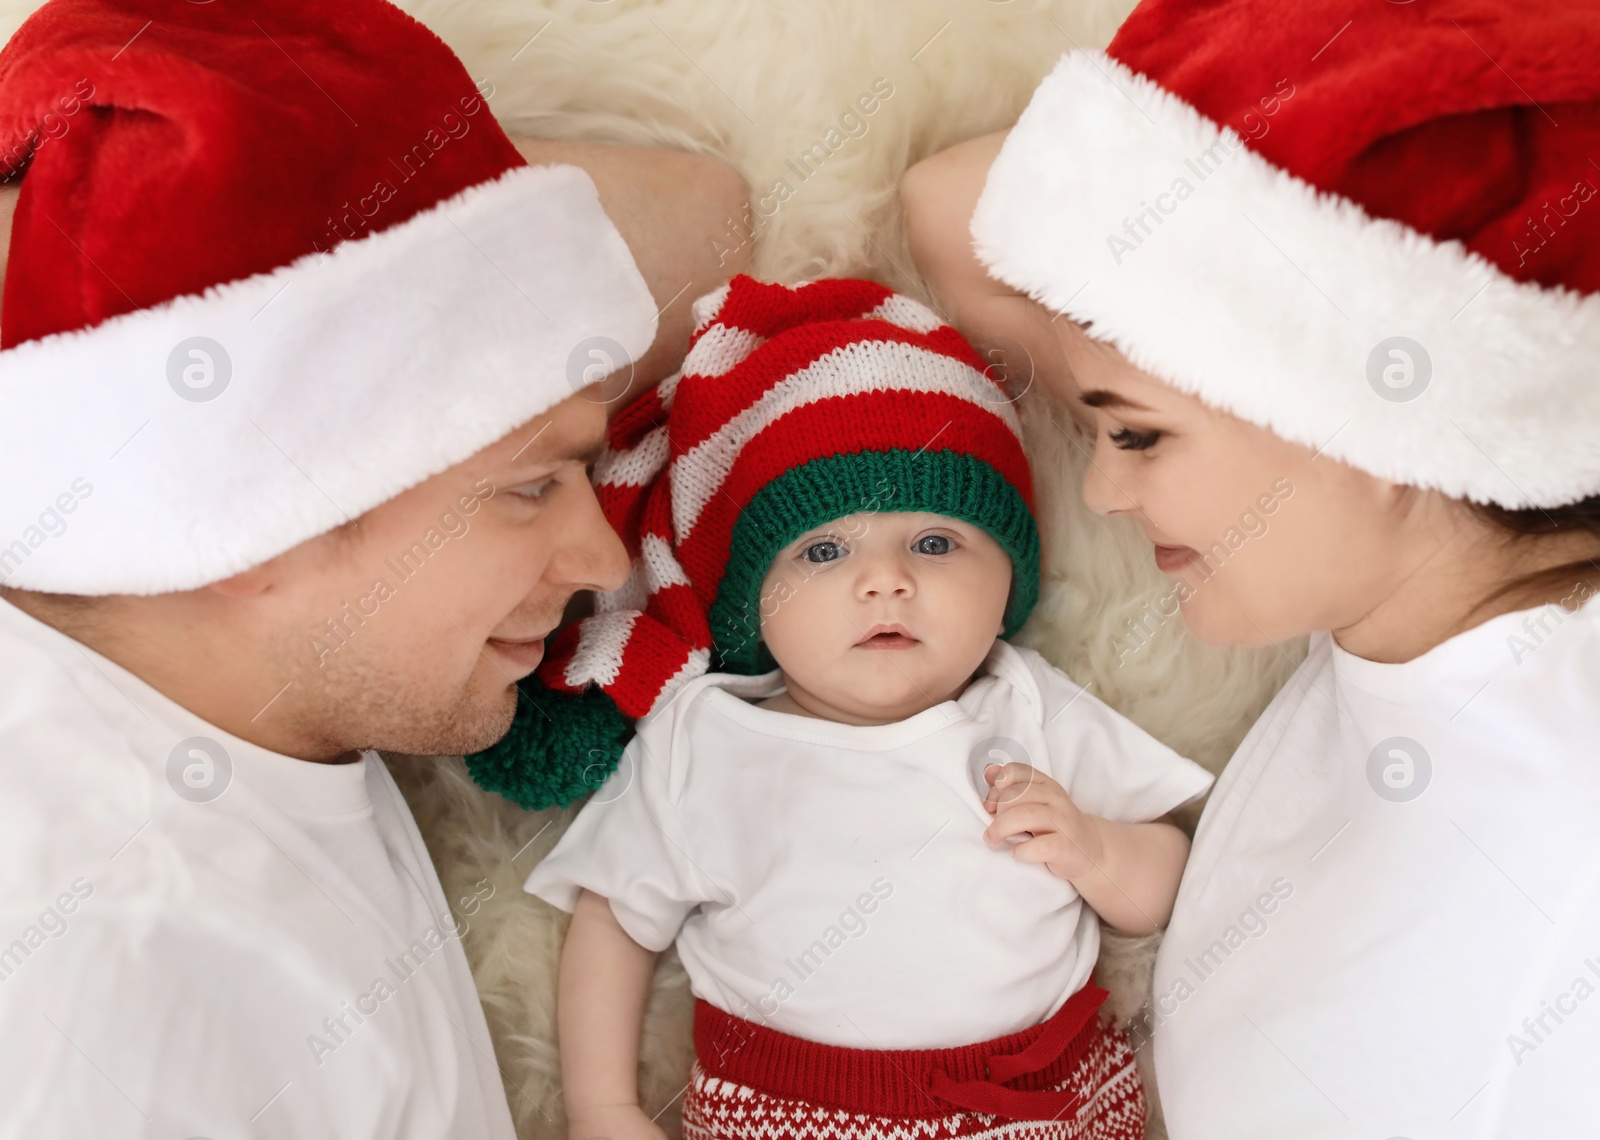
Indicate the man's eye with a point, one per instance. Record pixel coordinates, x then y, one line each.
934 544
535 491
825 551
1129 440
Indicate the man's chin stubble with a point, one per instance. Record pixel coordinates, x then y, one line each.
469 725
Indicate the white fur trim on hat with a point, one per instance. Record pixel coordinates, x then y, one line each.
140 458
1115 202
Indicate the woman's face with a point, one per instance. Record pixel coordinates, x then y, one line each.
1263 539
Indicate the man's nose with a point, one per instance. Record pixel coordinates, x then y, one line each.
592 556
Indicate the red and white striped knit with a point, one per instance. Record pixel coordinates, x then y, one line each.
775 378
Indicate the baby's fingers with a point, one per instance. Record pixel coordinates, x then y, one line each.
1021 819
1020 783
1058 853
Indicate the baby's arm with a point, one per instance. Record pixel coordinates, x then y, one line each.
1128 872
604 983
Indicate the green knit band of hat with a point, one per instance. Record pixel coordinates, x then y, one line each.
813 494
560 746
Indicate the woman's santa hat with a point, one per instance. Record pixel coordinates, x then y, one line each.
795 407
271 265
1372 228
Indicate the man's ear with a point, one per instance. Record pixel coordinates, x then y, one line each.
295 566
8 207
251 583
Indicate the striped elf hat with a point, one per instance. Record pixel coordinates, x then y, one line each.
795 407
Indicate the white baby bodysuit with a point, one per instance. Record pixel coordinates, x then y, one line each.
831 881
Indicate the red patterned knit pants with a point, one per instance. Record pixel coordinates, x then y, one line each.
1068 1079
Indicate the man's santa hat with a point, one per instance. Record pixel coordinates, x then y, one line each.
1372 228
271 265
795 407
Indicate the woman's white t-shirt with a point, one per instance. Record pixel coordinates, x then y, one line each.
832 880
199 937
1390 920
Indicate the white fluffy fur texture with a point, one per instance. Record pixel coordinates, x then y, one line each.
686 73
1118 203
758 84
315 395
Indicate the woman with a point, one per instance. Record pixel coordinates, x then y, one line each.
1363 316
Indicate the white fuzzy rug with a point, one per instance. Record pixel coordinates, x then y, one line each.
760 83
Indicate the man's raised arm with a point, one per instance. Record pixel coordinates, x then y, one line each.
670 207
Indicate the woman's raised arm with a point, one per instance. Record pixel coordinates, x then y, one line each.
938 195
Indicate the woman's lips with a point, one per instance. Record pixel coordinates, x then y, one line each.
525 655
1171 559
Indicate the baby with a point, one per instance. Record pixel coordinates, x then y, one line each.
881 861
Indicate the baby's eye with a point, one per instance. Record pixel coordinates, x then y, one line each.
934 544
825 551
1129 440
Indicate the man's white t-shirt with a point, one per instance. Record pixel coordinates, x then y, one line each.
199 937
832 880
1390 920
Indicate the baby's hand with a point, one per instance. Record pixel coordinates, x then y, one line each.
1026 802
621 1122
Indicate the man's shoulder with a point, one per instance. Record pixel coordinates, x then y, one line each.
194 1015
70 780
133 913
103 824
55 700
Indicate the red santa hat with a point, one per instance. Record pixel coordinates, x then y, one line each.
271 265
1372 228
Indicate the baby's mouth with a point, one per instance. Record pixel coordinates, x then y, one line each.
887 636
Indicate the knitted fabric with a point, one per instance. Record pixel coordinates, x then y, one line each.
1069 1078
795 407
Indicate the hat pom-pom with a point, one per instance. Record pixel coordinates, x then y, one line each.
561 747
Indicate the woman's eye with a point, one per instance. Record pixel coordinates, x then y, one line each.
825 551
934 544
1129 440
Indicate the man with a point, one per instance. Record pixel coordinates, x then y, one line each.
294 434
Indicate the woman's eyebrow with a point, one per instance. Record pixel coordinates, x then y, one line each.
1105 398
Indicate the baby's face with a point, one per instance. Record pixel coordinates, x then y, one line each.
879 615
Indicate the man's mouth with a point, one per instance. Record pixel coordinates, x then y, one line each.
523 652
887 635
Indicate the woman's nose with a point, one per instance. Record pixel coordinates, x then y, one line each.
1103 492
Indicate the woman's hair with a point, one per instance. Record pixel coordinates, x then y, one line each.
1582 517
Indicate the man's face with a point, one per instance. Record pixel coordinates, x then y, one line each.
408 629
